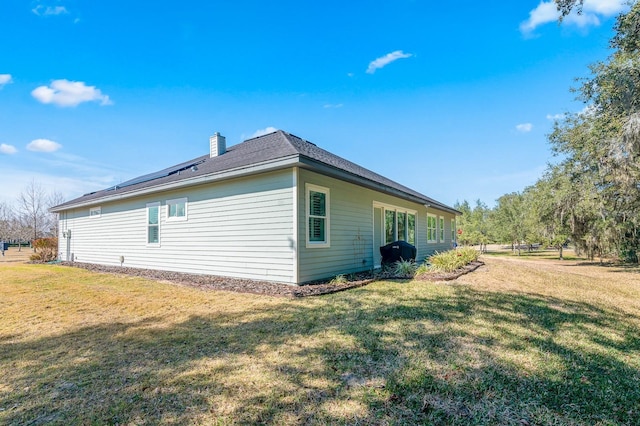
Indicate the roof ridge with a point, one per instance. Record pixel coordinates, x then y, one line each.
276 146
287 137
261 136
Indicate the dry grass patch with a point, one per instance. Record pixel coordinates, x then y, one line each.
516 342
15 255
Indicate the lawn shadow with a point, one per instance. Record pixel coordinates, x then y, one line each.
373 355
611 266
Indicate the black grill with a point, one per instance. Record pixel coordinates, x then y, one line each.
398 250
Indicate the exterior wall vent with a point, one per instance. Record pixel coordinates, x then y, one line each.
217 145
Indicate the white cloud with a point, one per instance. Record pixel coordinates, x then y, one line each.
592 10
555 116
69 93
588 111
42 10
524 127
583 20
604 7
43 145
5 79
385 60
332 106
262 132
7 149
544 13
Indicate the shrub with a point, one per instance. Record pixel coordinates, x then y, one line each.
423 269
46 249
339 279
35 257
405 268
449 261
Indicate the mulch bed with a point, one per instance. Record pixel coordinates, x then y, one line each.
213 282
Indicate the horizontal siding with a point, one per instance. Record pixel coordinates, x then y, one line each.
351 228
240 228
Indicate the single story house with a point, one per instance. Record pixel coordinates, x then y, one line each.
275 207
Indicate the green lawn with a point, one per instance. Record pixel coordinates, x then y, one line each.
516 342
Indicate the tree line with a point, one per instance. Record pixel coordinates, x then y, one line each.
29 219
591 196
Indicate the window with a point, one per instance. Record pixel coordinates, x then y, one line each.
317 201
153 223
431 228
411 228
402 226
389 226
453 230
441 229
177 209
95 211
399 224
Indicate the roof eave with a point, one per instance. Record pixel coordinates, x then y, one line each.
266 166
368 183
271 165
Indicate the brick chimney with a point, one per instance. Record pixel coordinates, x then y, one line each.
217 145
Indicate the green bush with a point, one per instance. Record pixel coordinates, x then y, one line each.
423 269
449 261
339 279
405 268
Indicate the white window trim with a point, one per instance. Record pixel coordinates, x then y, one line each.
307 189
435 234
441 235
389 207
95 212
415 228
178 218
146 229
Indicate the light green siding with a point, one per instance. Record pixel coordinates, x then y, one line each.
253 227
238 228
352 244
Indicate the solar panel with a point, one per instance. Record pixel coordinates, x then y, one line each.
160 174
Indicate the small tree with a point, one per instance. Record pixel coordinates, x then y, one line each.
474 223
54 199
509 219
6 222
33 205
551 201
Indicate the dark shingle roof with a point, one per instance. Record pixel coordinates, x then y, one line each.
261 150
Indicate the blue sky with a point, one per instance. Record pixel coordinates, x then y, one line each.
453 101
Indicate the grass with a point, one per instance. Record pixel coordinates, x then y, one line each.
516 342
550 253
